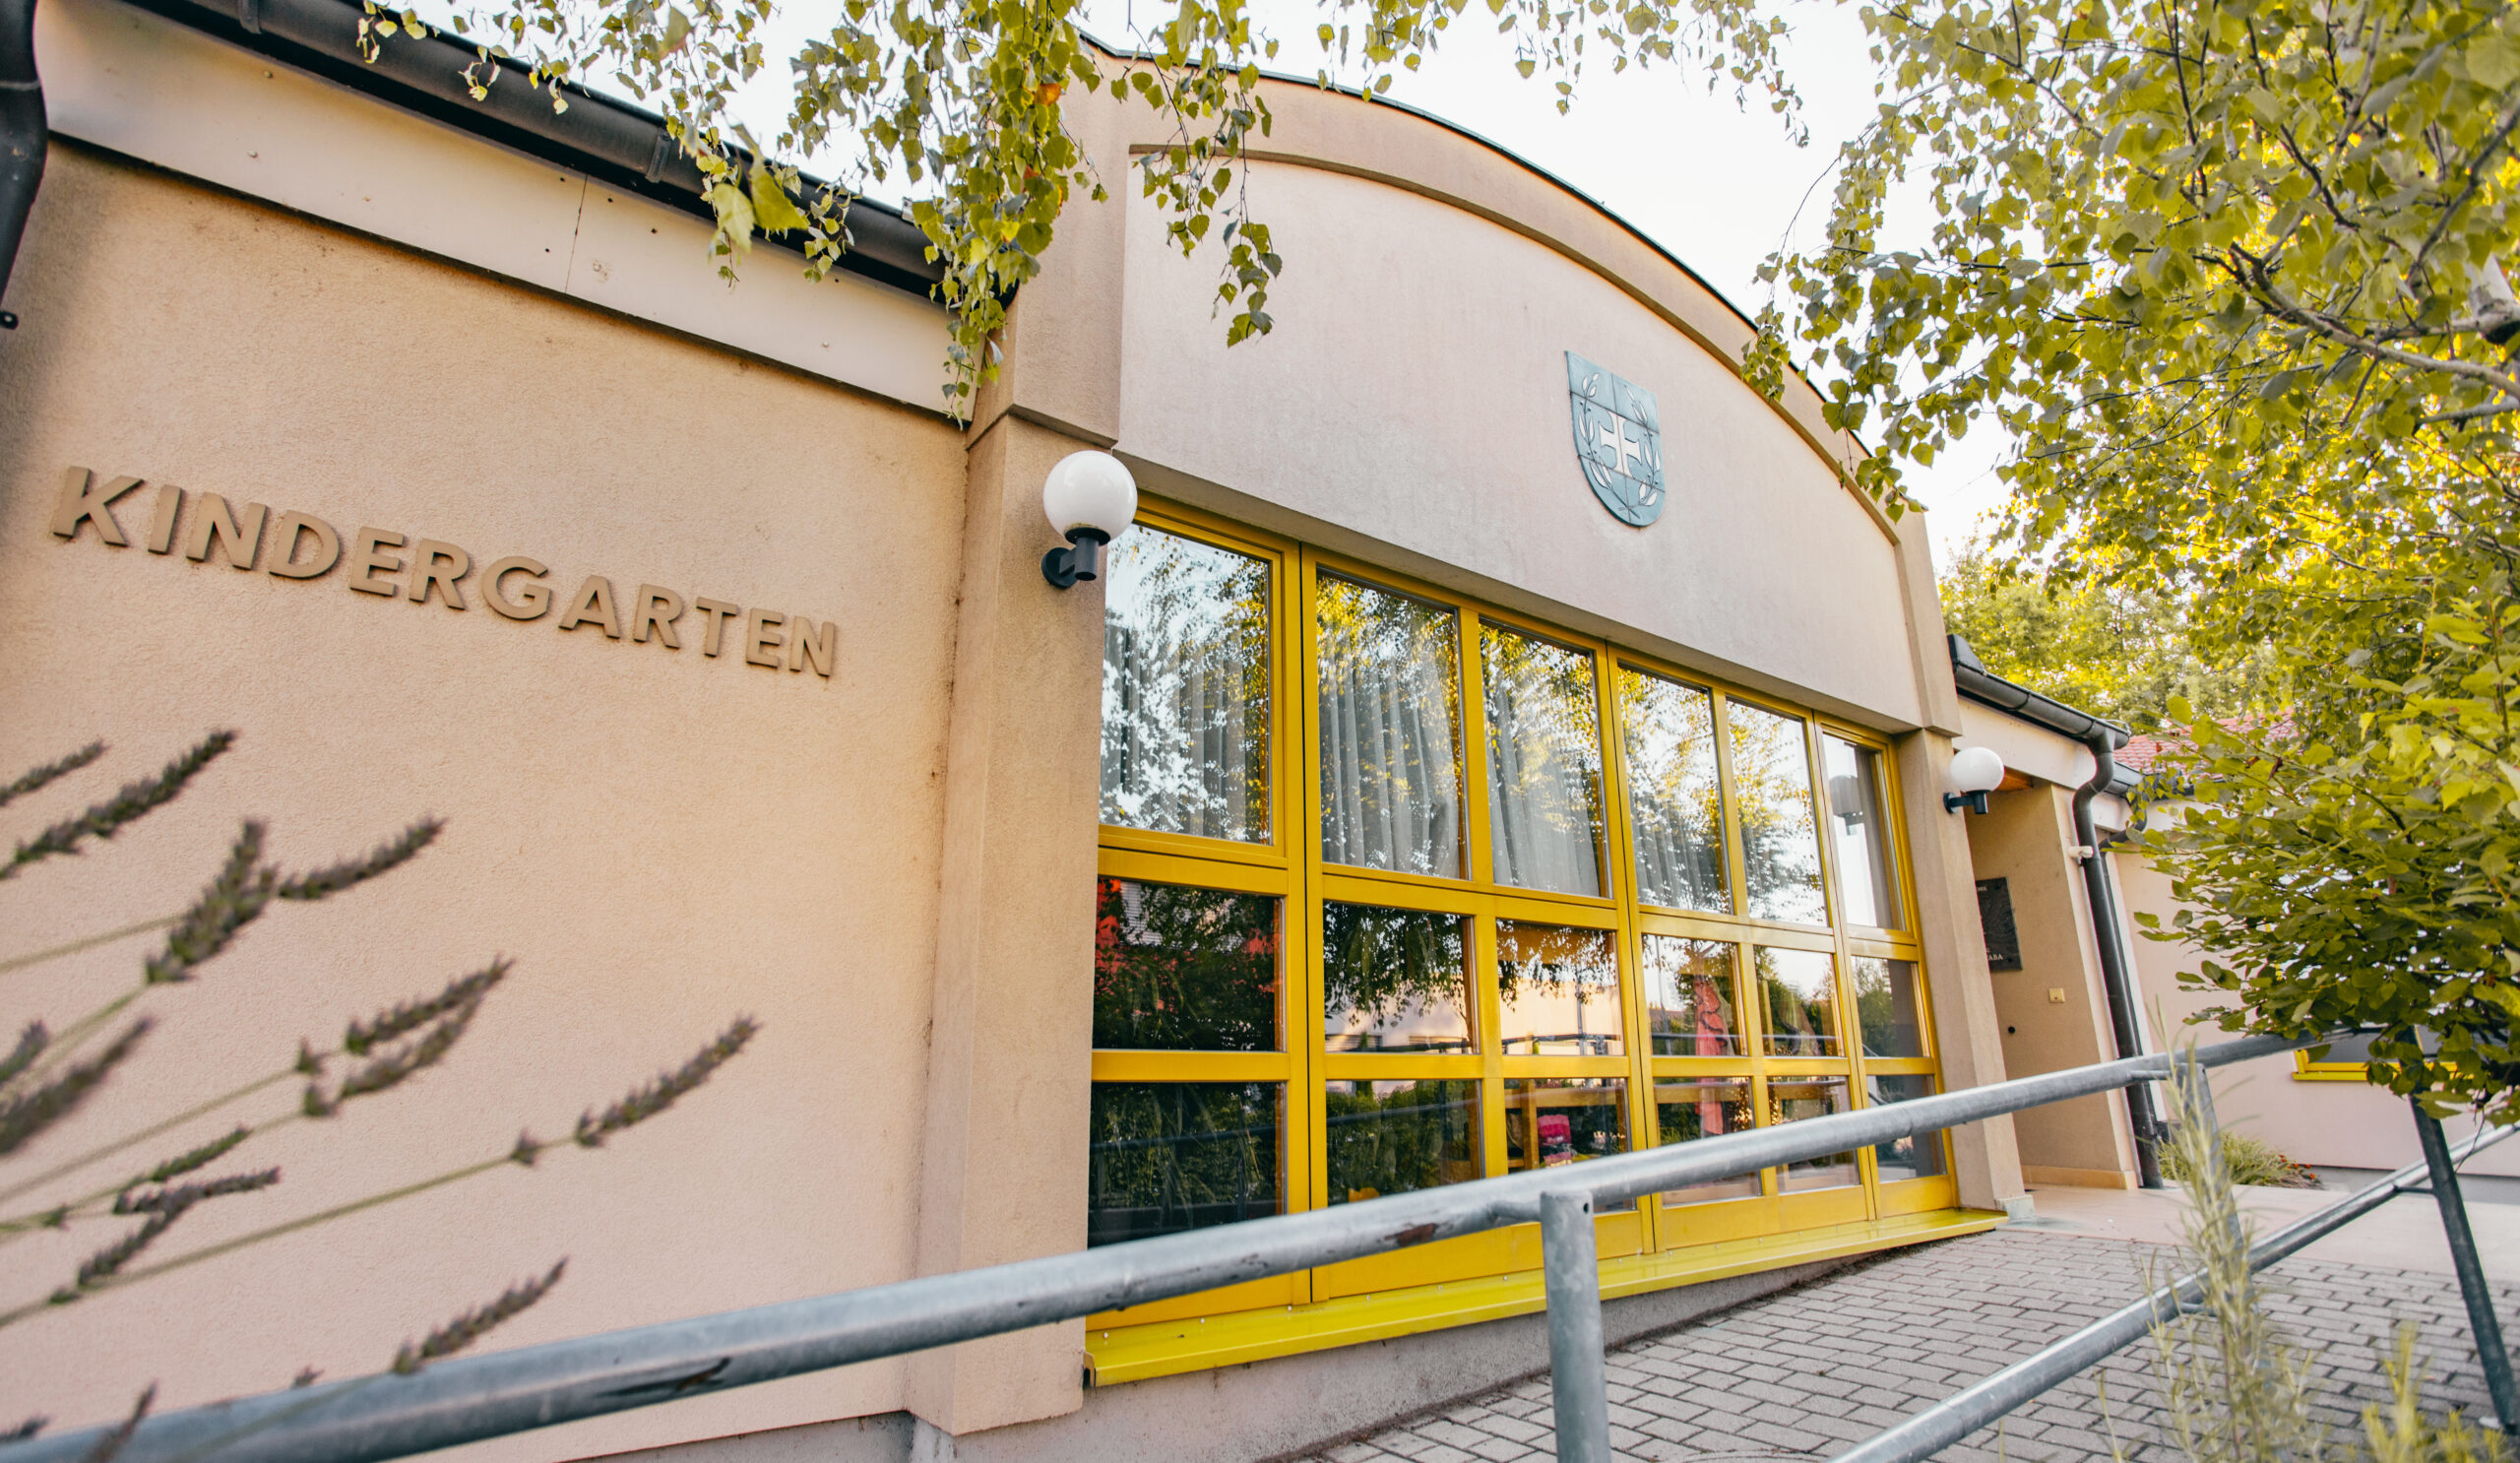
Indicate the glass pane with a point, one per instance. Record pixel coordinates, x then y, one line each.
1690 997
1390 731
1772 790
1173 1156
1793 1101
1184 970
1543 763
1798 996
1554 1120
1859 822
1394 979
1888 1008
1560 990
1705 1108
1674 798
1391 1138
1186 688
1918 1156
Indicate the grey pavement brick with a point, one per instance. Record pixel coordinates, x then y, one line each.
1814 1368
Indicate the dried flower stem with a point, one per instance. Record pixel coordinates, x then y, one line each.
20 962
136 800
235 899
184 1162
477 1323
113 1442
324 883
47 773
31 1045
105 1151
183 1196
405 1017
30 1113
650 1099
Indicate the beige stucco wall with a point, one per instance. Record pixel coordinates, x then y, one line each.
658 838
2053 1011
1414 401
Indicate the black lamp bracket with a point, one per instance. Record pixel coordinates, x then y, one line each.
1953 803
1082 560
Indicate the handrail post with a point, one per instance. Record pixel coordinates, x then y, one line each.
2495 1360
1577 1380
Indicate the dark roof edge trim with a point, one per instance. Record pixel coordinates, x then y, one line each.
1986 688
625 147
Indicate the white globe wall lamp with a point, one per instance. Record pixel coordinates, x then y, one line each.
1091 500
1974 773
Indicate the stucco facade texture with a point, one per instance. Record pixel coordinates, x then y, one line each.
888 867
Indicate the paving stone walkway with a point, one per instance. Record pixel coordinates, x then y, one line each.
1808 1372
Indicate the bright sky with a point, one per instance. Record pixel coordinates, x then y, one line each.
1717 186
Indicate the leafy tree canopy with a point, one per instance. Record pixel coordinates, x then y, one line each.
2115 649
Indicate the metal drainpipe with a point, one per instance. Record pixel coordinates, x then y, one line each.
2104 741
22 133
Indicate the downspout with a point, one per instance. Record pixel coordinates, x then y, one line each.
22 134
2117 971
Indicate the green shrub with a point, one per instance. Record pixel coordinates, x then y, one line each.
2246 1160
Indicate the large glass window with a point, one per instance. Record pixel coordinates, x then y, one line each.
1555 1120
1186 688
1859 831
1621 933
1916 1157
1692 997
1394 979
1393 1137
1390 699
1172 1156
1184 969
1772 789
1799 1002
1689 1108
1543 763
1800 1098
1557 989
1888 1006
1675 797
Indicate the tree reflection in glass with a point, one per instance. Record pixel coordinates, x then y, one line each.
1165 1157
1886 1008
1860 826
1557 989
1184 970
1391 793
1394 1137
1689 1008
1186 688
1798 996
1543 763
1772 791
1394 979
1675 797
1690 1109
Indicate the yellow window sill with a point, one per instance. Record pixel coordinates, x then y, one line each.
1124 1354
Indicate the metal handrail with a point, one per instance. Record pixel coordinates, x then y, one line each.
1956 1417
471 1398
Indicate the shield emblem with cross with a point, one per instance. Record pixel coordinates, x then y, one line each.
1618 438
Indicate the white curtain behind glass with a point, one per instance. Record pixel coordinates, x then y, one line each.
1543 763
1390 731
1186 688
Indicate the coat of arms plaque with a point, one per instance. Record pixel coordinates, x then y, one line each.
1618 438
